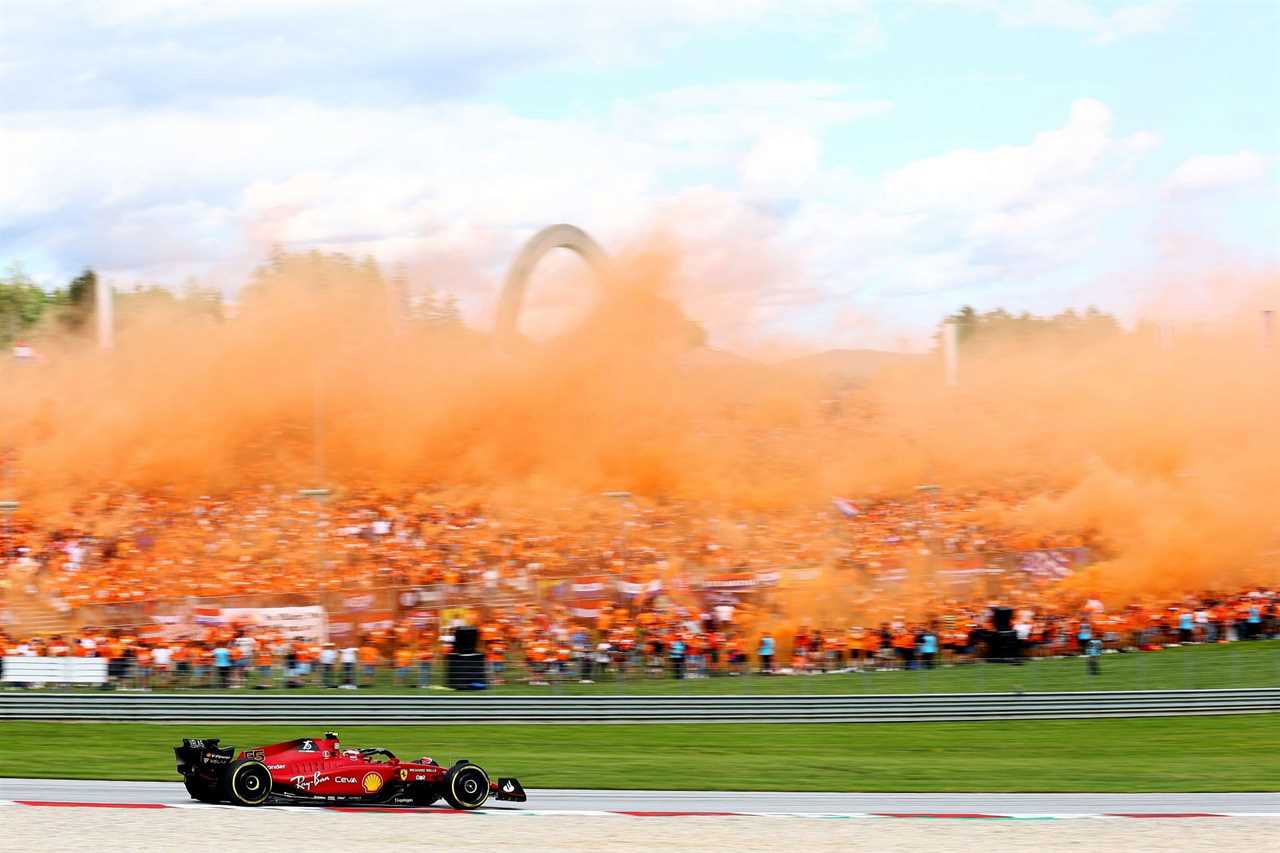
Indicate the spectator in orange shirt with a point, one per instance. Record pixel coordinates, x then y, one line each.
369 658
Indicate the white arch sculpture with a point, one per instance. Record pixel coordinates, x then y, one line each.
560 236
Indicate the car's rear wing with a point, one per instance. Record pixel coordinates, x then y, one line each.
198 754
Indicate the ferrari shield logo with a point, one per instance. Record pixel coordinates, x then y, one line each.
371 782
404 775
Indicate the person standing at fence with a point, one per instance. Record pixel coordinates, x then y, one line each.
201 663
1186 626
142 658
347 656
676 653
928 648
402 661
426 654
765 653
114 654
495 655
262 659
222 663
162 663
369 658
329 665
1084 633
1093 654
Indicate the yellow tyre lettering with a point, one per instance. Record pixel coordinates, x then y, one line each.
266 790
482 794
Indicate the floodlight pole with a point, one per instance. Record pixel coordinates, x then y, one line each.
104 309
950 354
318 495
621 497
8 508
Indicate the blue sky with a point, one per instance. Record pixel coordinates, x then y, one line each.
836 172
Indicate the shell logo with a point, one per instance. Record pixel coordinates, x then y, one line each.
371 783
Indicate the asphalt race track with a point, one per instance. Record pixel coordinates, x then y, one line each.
724 802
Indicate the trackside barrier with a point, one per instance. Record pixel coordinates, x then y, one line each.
406 710
62 670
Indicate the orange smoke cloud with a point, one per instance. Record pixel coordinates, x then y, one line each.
1167 453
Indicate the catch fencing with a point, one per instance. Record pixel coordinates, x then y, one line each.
416 710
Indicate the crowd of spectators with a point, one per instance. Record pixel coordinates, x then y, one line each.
865 558
143 547
541 647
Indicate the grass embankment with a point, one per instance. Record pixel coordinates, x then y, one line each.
1199 667
1238 753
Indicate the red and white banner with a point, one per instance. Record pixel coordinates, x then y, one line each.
730 580
639 588
587 586
298 623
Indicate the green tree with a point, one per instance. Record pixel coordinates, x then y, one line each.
999 325
22 304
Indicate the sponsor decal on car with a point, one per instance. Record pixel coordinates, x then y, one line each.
275 766
305 782
346 780
255 754
307 746
371 783
404 775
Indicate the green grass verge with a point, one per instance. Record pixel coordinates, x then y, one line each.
1237 753
1249 664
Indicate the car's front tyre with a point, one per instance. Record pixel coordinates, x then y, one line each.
466 786
247 783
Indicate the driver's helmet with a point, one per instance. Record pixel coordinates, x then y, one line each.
351 754
426 759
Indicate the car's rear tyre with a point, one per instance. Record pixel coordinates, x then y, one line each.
247 783
466 786
205 792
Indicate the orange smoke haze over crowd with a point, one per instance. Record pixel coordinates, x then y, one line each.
1165 447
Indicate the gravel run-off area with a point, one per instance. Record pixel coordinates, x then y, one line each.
228 830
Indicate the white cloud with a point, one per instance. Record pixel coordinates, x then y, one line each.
781 162
999 178
1102 22
948 228
131 52
1207 173
461 181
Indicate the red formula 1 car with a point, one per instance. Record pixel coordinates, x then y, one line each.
320 770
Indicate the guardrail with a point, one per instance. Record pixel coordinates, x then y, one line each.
407 710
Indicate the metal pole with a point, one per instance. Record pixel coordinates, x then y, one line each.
8 508
950 354
104 309
622 497
318 495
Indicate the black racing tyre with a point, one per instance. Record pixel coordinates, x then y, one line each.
247 783
205 792
466 786
424 796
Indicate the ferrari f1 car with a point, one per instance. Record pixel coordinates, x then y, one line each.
321 770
